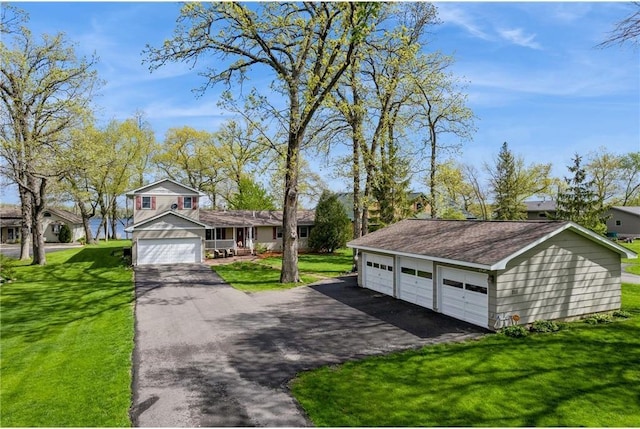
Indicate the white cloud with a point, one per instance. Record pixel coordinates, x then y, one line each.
456 16
518 37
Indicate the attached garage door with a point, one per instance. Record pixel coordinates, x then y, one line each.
416 284
464 295
169 251
378 273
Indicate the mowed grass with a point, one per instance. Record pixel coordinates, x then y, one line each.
583 376
634 264
66 341
265 274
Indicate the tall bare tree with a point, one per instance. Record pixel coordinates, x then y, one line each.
627 30
307 46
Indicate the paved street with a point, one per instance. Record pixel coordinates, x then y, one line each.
208 355
13 250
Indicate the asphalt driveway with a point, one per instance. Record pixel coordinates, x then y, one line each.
208 355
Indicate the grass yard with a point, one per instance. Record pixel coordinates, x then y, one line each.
634 264
265 274
585 375
66 341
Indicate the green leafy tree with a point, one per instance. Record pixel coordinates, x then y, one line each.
307 46
579 202
251 196
332 227
45 90
65 234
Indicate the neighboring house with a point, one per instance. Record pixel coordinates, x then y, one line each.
487 272
540 210
170 227
10 221
624 221
52 221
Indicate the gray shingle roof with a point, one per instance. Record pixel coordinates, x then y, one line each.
635 210
541 206
476 242
230 218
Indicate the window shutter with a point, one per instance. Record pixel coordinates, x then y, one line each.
275 232
194 203
138 202
180 203
153 203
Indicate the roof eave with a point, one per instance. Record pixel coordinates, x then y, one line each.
133 192
418 256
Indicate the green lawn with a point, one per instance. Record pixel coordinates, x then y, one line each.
265 274
585 375
66 341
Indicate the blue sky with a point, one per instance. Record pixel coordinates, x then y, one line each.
536 79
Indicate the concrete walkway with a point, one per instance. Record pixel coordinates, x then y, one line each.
209 355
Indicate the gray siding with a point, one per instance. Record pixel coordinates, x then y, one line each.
564 277
629 223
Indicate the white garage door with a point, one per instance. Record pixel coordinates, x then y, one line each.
169 251
465 295
416 285
378 273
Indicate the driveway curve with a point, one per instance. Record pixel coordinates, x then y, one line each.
209 355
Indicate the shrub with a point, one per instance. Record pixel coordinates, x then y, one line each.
597 319
621 314
515 331
545 326
82 240
65 234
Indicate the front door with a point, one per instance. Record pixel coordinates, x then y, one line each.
240 237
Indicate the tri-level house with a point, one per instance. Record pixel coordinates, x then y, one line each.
169 226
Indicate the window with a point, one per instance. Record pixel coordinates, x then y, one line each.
476 288
383 267
278 232
389 268
187 203
542 215
304 231
618 222
369 264
146 203
55 228
208 234
47 214
453 283
410 271
424 274
221 234
376 265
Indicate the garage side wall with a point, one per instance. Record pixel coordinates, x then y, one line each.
564 277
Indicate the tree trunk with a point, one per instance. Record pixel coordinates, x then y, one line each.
86 217
358 140
114 220
432 174
25 223
289 272
37 209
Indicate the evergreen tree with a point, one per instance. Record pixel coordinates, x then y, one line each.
332 225
579 202
505 187
65 234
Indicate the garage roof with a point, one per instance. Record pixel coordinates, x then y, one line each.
481 244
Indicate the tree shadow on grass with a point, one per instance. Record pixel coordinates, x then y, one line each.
46 299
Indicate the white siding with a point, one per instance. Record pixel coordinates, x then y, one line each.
566 276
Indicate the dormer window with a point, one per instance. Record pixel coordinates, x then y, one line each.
146 203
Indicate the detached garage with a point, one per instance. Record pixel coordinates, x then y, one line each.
489 273
169 238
